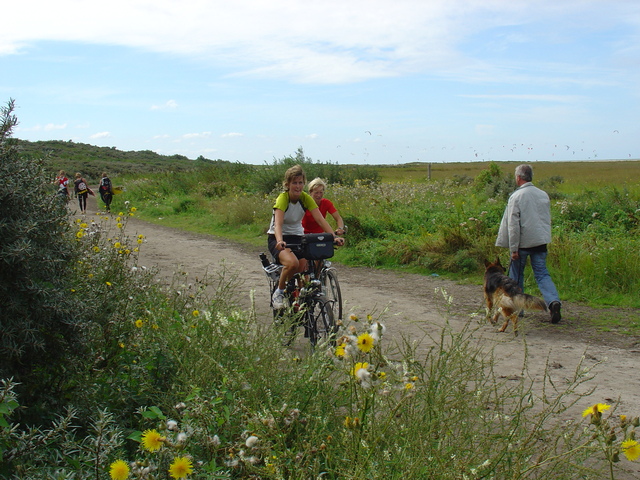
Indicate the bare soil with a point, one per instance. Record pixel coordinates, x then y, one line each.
415 310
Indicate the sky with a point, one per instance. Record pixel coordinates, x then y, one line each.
348 81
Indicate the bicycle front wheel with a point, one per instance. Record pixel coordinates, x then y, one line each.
331 289
322 325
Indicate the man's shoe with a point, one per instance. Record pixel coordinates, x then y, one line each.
277 300
554 309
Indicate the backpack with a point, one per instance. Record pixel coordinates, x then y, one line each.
82 187
105 184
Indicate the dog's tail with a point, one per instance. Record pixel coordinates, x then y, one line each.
523 301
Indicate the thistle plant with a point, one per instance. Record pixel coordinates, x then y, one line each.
613 435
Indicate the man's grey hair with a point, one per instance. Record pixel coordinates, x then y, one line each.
525 172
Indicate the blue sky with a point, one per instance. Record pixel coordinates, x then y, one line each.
349 81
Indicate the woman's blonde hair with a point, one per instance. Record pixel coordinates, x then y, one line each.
291 173
315 183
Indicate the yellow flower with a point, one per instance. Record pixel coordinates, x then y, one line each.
117 245
353 317
382 375
139 323
108 284
119 470
631 449
80 234
365 342
133 209
358 366
140 237
139 241
152 440
96 249
180 467
83 225
595 409
121 345
340 350
408 386
119 225
195 313
369 317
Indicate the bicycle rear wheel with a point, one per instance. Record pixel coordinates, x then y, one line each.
331 289
321 324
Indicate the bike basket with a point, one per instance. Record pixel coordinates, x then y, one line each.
318 246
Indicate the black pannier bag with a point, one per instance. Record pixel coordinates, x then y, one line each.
318 246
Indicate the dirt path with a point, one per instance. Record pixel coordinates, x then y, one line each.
415 308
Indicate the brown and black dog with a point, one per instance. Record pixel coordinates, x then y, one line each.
504 293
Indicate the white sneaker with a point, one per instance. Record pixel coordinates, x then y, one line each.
277 300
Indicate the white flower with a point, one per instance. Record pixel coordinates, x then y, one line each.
172 425
182 437
215 441
251 442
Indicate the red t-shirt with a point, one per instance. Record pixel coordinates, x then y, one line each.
308 222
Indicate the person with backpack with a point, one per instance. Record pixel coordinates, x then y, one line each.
106 191
82 191
286 226
63 182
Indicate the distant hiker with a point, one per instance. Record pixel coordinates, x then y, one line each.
106 190
63 183
82 191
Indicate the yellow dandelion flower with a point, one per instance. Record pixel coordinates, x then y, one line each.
96 249
340 350
83 225
136 249
127 252
155 326
369 317
595 409
408 386
108 284
358 366
117 245
139 323
139 241
119 225
631 449
195 313
382 375
121 345
353 317
152 440
140 236
180 467
80 234
134 209
119 215
90 275
119 470
365 342
347 422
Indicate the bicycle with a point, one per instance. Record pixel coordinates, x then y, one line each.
308 305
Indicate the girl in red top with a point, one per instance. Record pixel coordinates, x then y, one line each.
317 187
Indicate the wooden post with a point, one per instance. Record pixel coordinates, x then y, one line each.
429 171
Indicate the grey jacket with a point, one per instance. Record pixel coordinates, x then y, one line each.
526 222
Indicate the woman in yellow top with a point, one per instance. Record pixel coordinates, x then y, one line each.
286 226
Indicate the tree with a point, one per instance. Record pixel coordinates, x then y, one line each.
40 319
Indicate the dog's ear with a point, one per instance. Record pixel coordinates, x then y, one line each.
497 262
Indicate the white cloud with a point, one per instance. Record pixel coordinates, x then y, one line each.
312 136
49 127
169 105
196 135
231 134
332 41
100 135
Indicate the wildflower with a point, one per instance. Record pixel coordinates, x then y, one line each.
408 386
596 409
195 313
152 440
631 449
340 350
96 249
382 375
172 425
251 442
365 342
119 225
119 470
108 284
357 367
117 245
353 317
121 345
181 438
133 209
180 467
139 323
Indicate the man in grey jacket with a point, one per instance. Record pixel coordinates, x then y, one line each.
526 230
